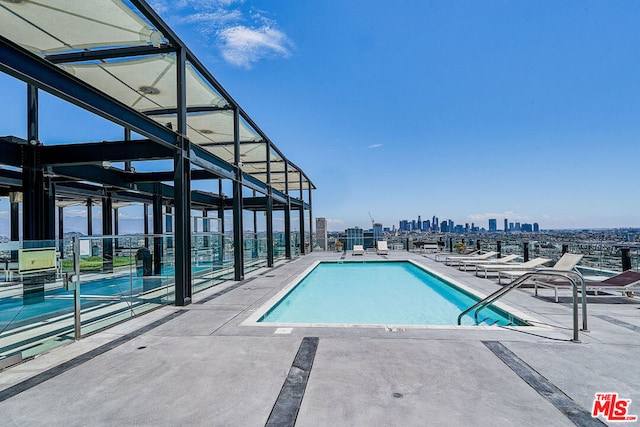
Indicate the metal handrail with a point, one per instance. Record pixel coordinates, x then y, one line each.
567 274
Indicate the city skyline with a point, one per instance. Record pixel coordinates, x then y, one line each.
471 109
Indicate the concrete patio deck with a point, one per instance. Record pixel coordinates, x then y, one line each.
198 365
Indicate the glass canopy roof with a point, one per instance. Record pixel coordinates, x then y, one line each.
145 83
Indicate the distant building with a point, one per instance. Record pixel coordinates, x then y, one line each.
321 233
493 225
517 226
526 228
404 225
355 236
536 227
419 223
506 225
377 230
426 225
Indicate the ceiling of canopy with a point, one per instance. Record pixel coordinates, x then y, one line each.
145 83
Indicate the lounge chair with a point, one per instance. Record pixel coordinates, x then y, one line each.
382 248
473 263
358 250
443 256
625 282
566 262
456 260
530 265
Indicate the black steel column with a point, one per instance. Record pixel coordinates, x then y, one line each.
269 210
311 220
49 210
107 230
238 238
301 219
255 231
145 228
287 214
525 250
116 228
89 217
221 224
15 221
499 248
61 231
33 195
206 229
157 230
182 189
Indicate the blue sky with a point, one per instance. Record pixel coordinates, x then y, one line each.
461 109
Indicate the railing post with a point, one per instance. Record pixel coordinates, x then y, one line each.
450 244
525 250
77 321
499 248
565 248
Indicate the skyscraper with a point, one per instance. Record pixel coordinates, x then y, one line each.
506 225
493 225
321 233
419 223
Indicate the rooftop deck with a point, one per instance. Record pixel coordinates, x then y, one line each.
197 365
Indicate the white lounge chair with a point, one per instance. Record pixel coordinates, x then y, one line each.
358 250
530 265
456 260
382 248
464 265
441 257
625 282
566 262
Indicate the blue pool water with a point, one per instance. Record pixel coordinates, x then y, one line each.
387 293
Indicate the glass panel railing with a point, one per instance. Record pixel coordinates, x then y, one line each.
36 311
123 277
211 260
255 251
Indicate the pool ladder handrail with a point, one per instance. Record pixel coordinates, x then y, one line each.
570 275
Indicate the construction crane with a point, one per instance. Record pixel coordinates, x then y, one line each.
372 221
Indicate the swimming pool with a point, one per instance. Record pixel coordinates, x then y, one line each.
376 293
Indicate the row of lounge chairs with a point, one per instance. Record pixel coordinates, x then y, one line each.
381 248
485 266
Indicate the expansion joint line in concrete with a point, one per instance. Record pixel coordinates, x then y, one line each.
618 322
83 358
285 410
576 413
224 291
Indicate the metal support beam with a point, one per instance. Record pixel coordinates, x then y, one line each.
89 217
111 151
310 223
221 223
303 250
61 231
287 216
157 231
145 229
238 238
269 210
107 230
182 188
108 53
33 199
30 68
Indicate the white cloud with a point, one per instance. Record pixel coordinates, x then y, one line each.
243 38
242 46
375 146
